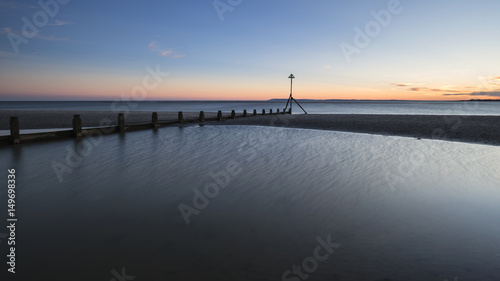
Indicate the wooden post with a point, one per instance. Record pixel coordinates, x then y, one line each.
219 115
254 112
263 112
284 111
77 125
289 111
154 120
271 111
277 111
14 130
244 113
202 116
233 114
181 117
121 122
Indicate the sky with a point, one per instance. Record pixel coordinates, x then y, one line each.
246 49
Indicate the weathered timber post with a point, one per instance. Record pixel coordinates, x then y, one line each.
290 110
219 115
233 114
180 117
154 120
263 112
202 116
271 111
14 130
121 122
77 125
284 110
277 111
244 113
254 112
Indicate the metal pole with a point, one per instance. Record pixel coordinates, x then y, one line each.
291 97
287 101
299 105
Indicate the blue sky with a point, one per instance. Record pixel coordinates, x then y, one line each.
101 49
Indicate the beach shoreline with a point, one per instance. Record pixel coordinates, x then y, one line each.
463 128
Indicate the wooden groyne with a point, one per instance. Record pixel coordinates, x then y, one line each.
121 126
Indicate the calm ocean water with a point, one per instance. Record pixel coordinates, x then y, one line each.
396 208
333 107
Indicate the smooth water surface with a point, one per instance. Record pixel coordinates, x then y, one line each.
400 208
316 107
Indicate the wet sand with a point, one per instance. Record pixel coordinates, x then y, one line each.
474 129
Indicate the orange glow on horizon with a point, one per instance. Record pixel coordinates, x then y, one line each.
108 87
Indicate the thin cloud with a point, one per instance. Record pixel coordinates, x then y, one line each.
327 66
489 81
59 23
444 90
154 47
166 53
425 89
451 90
487 94
5 30
419 89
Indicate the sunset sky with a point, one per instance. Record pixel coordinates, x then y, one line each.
246 49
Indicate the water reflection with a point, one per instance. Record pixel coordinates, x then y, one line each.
400 208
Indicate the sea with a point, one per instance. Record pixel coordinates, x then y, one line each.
254 203
311 107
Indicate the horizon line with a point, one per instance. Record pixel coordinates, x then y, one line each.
237 100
